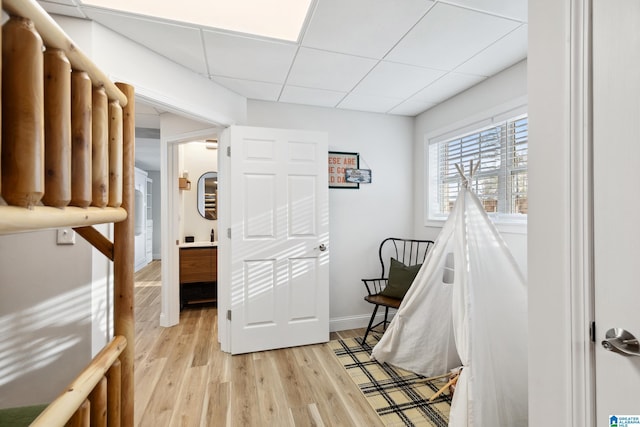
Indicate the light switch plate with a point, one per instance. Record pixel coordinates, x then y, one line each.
66 236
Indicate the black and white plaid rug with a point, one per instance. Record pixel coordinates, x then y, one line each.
400 398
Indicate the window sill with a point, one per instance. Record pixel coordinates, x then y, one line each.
504 227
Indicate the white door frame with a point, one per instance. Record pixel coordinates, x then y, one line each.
560 245
170 221
582 282
224 242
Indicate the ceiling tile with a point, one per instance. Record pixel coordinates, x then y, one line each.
446 87
411 107
326 70
448 36
65 2
56 8
318 97
505 52
396 80
362 27
515 9
251 89
179 43
396 56
231 55
372 103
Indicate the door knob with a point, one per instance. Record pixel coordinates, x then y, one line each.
322 247
621 341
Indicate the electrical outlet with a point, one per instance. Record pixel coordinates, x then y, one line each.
66 236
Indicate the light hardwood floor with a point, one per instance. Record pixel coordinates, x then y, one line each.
183 379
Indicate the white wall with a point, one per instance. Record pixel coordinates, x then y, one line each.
358 219
157 212
497 94
45 315
101 294
197 160
140 220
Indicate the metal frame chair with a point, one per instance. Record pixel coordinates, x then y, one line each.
409 252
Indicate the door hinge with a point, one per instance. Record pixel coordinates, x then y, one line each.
592 331
229 151
229 232
228 314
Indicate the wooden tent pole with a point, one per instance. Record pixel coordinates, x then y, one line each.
444 388
123 258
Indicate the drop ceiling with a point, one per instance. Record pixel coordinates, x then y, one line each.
385 56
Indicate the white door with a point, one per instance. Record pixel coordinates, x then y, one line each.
616 117
279 274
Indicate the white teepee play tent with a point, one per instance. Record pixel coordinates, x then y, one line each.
467 307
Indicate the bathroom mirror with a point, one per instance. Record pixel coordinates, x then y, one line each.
208 195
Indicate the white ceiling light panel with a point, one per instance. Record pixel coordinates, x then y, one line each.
279 19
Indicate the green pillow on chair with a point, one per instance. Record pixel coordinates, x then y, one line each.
400 279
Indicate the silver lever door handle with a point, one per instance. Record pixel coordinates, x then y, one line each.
621 341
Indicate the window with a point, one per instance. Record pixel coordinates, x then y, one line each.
501 179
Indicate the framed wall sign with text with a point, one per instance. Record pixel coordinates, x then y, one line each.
339 162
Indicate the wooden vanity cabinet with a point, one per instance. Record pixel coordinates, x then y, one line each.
198 275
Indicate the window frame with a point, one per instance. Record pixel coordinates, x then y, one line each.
510 223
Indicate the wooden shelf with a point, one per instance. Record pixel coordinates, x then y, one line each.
15 219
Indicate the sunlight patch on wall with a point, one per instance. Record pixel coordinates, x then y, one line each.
35 337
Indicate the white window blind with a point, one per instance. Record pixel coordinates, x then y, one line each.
501 179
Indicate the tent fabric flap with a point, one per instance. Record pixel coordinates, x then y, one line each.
467 307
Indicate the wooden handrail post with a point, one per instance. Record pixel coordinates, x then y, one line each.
123 257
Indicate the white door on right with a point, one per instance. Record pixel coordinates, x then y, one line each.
279 258
616 164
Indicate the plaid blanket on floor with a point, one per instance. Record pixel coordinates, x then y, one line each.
400 398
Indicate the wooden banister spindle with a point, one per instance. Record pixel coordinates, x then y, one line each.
114 395
115 154
57 128
80 139
98 399
23 110
82 417
100 148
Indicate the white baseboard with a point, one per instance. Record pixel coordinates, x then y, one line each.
354 322
336 324
164 321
